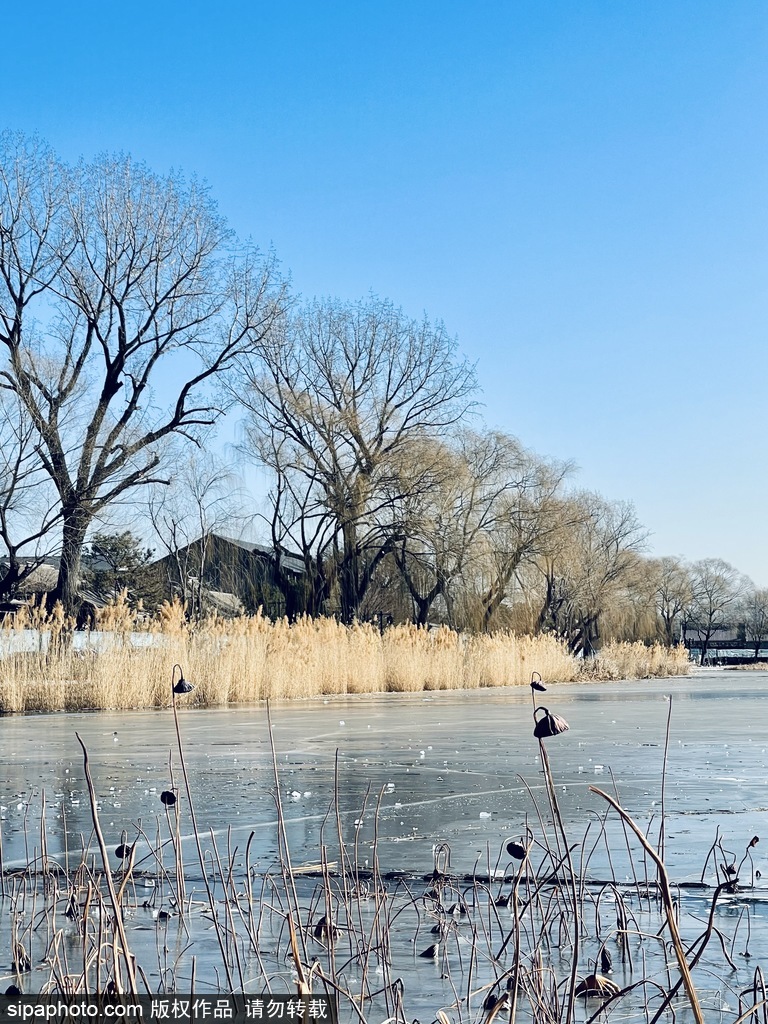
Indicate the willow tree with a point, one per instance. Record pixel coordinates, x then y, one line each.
465 537
586 564
339 395
527 512
121 297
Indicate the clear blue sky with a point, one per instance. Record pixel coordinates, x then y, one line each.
577 189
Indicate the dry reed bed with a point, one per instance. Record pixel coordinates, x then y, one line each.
251 658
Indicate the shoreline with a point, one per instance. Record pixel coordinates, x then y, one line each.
367 697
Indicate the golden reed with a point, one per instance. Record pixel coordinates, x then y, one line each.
251 658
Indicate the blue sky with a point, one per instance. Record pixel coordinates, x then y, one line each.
576 189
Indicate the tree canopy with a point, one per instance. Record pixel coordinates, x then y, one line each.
108 274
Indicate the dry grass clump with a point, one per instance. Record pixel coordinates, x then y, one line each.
419 659
505 659
125 662
320 656
752 666
637 661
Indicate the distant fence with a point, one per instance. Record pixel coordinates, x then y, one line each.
728 652
34 641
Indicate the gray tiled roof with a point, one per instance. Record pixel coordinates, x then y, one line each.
291 562
42 579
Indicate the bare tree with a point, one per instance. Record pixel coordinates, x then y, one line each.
716 588
28 509
201 499
299 520
114 282
337 396
526 513
754 612
587 562
441 521
673 595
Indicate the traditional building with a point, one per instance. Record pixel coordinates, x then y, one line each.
222 574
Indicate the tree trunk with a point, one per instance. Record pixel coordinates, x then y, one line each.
349 589
296 593
591 633
13 575
422 602
76 523
704 650
319 585
423 606
548 615
498 590
575 639
493 598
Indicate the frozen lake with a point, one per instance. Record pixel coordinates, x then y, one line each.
445 767
449 764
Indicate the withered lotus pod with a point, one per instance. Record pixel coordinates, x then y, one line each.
123 851
168 798
753 842
495 1000
597 985
325 929
516 850
183 686
536 683
491 999
21 962
548 725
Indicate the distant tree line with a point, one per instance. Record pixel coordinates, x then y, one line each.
132 319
